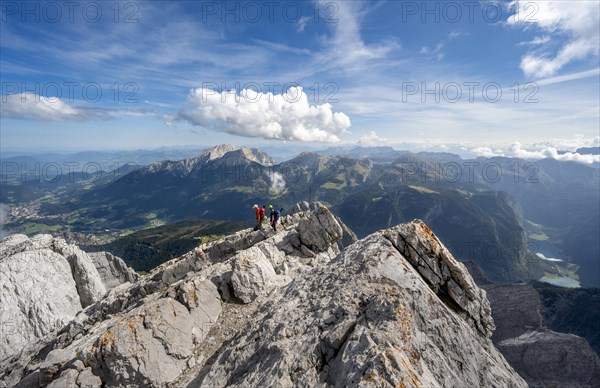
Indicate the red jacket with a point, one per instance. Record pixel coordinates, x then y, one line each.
258 214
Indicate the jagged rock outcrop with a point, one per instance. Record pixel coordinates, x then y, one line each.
348 236
259 308
365 317
148 345
319 231
446 276
89 284
44 283
572 310
544 358
112 269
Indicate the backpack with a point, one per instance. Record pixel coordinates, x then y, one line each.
263 213
276 214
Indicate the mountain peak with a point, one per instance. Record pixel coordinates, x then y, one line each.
237 153
226 153
218 151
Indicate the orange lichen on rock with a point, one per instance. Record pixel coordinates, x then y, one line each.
106 339
427 230
369 377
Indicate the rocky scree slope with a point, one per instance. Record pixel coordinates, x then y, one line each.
299 307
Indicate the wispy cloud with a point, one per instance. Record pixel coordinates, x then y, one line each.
41 108
538 40
301 23
343 50
577 21
569 77
437 51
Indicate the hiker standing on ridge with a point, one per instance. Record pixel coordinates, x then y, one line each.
274 217
263 214
258 214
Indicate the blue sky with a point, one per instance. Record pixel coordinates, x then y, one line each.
165 71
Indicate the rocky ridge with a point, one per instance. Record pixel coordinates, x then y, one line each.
307 306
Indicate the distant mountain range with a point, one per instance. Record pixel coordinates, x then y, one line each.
374 153
483 209
586 151
107 160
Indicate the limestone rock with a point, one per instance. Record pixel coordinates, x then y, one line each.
87 379
67 378
145 346
319 230
87 278
550 359
15 244
38 296
392 309
388 328
112 269
252 271
44 283
448 277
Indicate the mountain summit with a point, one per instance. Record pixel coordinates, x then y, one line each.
307 306
227 154
236 153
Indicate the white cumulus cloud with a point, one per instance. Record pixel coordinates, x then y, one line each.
371 139
568 144
487 152
577 21
538 152
287 116
551 152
